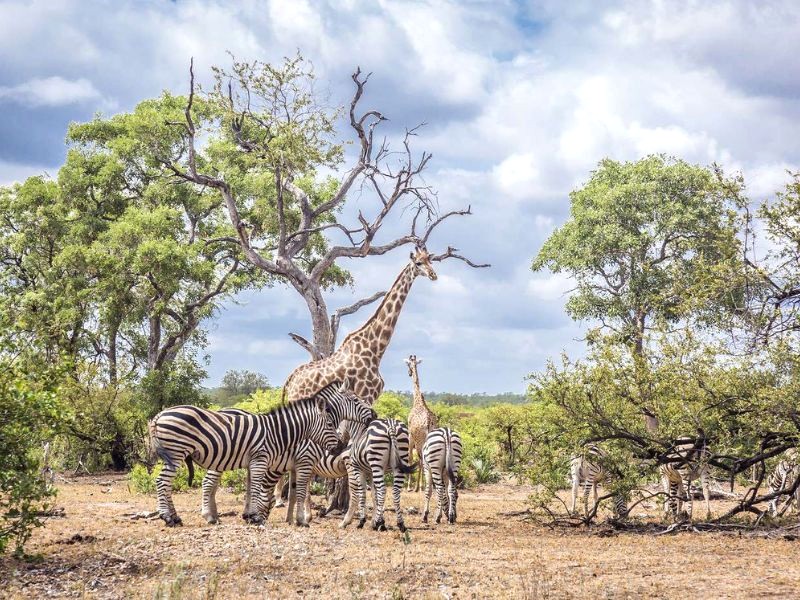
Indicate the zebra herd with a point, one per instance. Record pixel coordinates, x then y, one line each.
305 438
686 463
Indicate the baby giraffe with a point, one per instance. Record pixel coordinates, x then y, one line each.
421 420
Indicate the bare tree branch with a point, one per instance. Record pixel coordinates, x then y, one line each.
349 310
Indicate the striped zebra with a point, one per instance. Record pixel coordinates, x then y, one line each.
688 461
587 471
382 448
355 412
222 441
311 460
783 477
441 457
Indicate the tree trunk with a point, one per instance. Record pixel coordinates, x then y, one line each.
119 457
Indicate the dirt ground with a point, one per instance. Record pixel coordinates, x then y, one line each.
96 550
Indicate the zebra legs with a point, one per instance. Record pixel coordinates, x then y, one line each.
428 493
357 497
209 508
166 509
379 498
397 488
299 496
453 493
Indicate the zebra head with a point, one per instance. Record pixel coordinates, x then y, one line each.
323 427
344 405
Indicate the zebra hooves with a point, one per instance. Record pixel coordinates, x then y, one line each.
361 523
425 517
173 521
451 519
379 525
401 526
254 519
301 524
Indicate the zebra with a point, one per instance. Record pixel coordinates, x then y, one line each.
687 462
441 459
222 441
383 447
310 460
357 413
784 477
587 471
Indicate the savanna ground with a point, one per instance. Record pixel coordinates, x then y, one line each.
96 550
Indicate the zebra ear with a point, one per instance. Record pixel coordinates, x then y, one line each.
345 387
321 404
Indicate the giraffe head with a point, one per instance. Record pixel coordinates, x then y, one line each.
421 260
412 363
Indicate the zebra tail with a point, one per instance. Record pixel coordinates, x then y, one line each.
156 449
448 458
394 456
190 466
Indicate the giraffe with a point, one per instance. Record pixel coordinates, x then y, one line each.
357 361
421 419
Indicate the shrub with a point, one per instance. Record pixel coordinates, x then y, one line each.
262 401
391 405
29 415
235 481
145 483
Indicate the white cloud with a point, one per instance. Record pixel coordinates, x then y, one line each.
519 116
50 91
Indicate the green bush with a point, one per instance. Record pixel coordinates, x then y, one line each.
391 405
145 483
235 481
261 401
29 415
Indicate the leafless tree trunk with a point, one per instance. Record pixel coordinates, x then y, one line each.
394 186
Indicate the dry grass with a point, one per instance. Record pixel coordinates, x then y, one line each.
97 551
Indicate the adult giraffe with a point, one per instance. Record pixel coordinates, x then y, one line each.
358 359
421 420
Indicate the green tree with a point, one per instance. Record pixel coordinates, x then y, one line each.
264 139
244 382
646 241
30 414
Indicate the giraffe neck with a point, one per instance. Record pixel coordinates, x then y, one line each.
419 399
377 331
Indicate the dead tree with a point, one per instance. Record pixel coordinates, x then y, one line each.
262 106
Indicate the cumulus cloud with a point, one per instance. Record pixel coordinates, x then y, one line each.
50 91
522 99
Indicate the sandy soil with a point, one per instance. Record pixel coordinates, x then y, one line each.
98 551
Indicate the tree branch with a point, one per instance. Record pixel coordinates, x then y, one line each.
349 310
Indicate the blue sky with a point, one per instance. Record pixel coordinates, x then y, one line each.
522 99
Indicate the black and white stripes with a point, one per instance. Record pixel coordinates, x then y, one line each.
587 472
382 448
687 462
783 477
441 455
220 441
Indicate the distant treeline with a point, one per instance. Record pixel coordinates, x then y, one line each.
222 396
